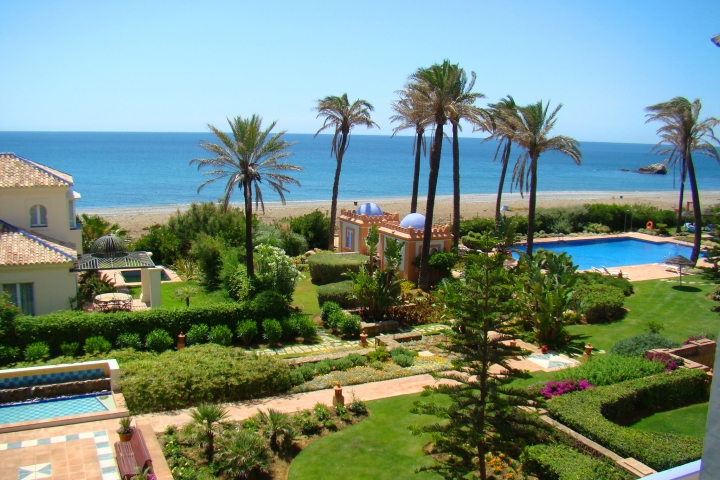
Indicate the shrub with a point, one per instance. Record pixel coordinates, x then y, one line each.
159 340
637 346
221 335
596 228
561 462
269 304
322 412
97 345
592 413
377 365
272 331
323 367
349 325
129 340
357 359
594 278
314 226
199 374
207 252
327 309
403 360
443 262
654 327
476 225
293 243
302 326
197 334
335 319
274 271
37 351
307 371
357 407
670 363
380 354
296 377
8 354
339 293
599 303
246 331
403 351
239 286
70 349
610 369
342 364
329 267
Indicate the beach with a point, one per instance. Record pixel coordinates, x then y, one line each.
135 219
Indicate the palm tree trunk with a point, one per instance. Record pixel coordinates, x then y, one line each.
248 229
531 208
333 208
416 174
435 152
683 172
696 208
456 186
505 160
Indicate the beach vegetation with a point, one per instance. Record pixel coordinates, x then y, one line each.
411 117
244 160
314 226
340 116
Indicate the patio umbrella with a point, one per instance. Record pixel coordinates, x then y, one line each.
681 262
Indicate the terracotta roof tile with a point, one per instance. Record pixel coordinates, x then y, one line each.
18 247
20 172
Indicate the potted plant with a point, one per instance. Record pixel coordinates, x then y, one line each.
125 431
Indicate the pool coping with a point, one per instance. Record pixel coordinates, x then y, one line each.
119 412
635 235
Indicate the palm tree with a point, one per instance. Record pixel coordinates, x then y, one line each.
95 226
410 116
276 425
685 134
242 454
186 293
529 128
506 105
246 159
341 116
207 416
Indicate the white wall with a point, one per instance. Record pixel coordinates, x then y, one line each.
53 284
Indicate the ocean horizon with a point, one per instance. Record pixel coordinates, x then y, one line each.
139 169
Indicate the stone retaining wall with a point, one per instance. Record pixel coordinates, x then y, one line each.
696 355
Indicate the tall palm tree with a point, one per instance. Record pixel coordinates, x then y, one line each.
434 88
410 116
207 417
685 134
341 116
529 128
245 159
506 105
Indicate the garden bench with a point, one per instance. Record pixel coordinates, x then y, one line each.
132 455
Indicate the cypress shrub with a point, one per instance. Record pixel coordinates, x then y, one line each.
329 267
338 292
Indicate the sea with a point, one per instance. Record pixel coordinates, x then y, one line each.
129 169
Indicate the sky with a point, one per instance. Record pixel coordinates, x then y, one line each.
158 66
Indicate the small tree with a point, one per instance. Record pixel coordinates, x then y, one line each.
207 417
274 271
483 417
185 293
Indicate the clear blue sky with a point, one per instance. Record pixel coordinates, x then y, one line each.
177 66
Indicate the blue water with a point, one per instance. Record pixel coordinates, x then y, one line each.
116 169
615 252
53 408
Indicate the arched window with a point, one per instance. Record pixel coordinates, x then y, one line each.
38 216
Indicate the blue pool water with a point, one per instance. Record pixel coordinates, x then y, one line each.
615 252
51 408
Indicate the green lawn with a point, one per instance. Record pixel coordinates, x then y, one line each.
684 311
684 421
305 297
202 299
379 447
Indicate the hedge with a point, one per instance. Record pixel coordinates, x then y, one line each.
197 374
329 267
592 412
599 303
637 345
561 462
339 293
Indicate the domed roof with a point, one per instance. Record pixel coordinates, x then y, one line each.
109 246
369 209
414 220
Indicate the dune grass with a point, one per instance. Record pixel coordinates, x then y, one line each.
682 421
379 447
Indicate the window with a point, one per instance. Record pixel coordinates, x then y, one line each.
349 237
38 216
21 295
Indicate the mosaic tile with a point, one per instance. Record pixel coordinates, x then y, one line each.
57 408
31 472
51 378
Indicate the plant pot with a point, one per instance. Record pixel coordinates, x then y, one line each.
125 437
513 343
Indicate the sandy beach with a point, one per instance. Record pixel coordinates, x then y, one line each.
135 219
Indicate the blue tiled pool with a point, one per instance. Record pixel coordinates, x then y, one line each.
615 252
54 408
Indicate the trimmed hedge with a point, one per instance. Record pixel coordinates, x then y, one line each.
592 412
561 462
599 303
637 345
338 292
602 370
329 267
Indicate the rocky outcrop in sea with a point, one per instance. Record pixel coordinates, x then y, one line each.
655 168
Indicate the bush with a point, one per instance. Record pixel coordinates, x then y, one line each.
357 407
307 370
302 326
611 369
8 354
159 340
553 389
670 363
342 364
37 351
594 278
443 262
637 346
561 462
329 267
327 309
380 354
269 304
349 325
70 349
377 365
274 271
207 252
239 286
272 331
314 226
357 359
97 345
599 303
403 360
323 367
246 331
197 334
199 374
129 340
293 243
596 228
403 351
476 225
338 293
221 335
593 412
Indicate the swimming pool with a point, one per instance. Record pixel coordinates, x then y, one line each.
56 407
615 252
133 276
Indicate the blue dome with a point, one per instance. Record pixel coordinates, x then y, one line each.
369 209
414 220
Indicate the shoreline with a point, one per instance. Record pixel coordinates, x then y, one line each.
135 219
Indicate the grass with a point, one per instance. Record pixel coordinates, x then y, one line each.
379 447
682 421
305 297
684 311
535 377
203 298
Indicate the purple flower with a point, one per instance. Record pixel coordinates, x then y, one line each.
553 389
